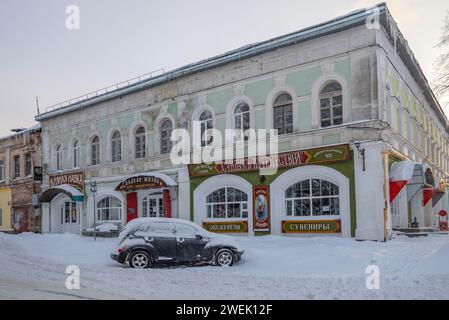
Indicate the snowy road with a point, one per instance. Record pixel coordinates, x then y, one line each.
33 267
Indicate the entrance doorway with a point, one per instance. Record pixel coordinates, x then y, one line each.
153 206
396 213
69 216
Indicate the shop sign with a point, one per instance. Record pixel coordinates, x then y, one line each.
38 174
283 160
74 179
261 218
324 226
226 227
141 183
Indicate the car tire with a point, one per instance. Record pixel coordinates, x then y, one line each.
140 260
224 258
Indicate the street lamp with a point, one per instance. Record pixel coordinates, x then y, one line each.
93 190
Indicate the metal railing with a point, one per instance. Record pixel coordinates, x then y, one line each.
105 90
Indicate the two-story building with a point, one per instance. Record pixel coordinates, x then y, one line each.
20 154
363 142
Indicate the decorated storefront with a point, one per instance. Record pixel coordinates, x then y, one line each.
62 203
311 193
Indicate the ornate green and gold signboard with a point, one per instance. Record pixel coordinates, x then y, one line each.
226 227
324 226
282 160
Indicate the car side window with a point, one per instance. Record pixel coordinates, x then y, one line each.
141 230
186 231
161 229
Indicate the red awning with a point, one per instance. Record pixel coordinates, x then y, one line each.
437 197
400 174
427 196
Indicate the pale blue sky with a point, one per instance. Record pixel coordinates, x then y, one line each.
123 39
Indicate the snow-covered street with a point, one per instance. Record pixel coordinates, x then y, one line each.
33 267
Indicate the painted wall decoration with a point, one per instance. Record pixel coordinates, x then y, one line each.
141 183
324 226
74 179
261 218
284 160
20 219
226 227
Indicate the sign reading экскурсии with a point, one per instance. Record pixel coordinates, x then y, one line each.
283 160
227 227
325 226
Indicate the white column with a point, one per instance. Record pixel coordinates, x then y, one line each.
369 190
183 194
45 218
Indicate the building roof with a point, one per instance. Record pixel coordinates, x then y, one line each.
32 129
350 20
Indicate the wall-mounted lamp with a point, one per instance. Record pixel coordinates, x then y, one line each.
361 151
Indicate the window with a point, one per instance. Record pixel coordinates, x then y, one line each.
165 133
186 231
116 143
312 197
95 151
242 118
161 229
153 207
206 123
16 166
2 170
59 157
109 209
76 154
227 203
1 216
283 114
140 144
331 102
28 164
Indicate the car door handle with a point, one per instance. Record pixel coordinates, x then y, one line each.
181 240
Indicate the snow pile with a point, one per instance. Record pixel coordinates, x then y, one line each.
272 268
105 227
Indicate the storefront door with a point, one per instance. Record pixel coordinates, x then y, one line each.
152 206
70 219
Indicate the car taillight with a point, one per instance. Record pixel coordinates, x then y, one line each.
121 249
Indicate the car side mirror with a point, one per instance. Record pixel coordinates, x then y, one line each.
199 236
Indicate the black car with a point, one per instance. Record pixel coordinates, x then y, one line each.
148 241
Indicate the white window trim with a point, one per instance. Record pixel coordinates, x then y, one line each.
89 149
157 134
197 113
55 157
101 194
292 176
271 98
72 153
109 144
217 182
316 103
132 139
230 110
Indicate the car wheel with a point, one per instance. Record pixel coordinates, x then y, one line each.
224 258
140 260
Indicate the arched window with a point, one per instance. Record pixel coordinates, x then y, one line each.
109 209
331 102
95 151
165 133
76 154
242 118
206 123
116 149
283 114
140 143
59 157
312 197
227 203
